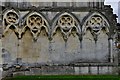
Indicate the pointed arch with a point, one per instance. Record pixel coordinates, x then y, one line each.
105 22
61 20
45 20
35 21
10 19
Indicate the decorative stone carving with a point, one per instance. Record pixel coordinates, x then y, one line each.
35 22
70 51
66 23
95 24
10 20
20 31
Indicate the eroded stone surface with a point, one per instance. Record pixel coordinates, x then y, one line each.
34 41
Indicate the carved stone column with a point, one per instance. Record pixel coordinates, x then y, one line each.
0 59
111 49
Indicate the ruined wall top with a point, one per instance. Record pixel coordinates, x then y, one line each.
52 3
53 0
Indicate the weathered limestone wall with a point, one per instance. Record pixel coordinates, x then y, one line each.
56 50
51 34
23 4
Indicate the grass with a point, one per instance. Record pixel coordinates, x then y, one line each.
66 77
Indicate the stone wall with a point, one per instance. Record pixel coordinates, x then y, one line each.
54 33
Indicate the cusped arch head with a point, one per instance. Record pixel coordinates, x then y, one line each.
66 21
36 20
95 21
10 17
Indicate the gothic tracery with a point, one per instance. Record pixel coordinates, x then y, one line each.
39 37
10 18
95 24
35 22
66 23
